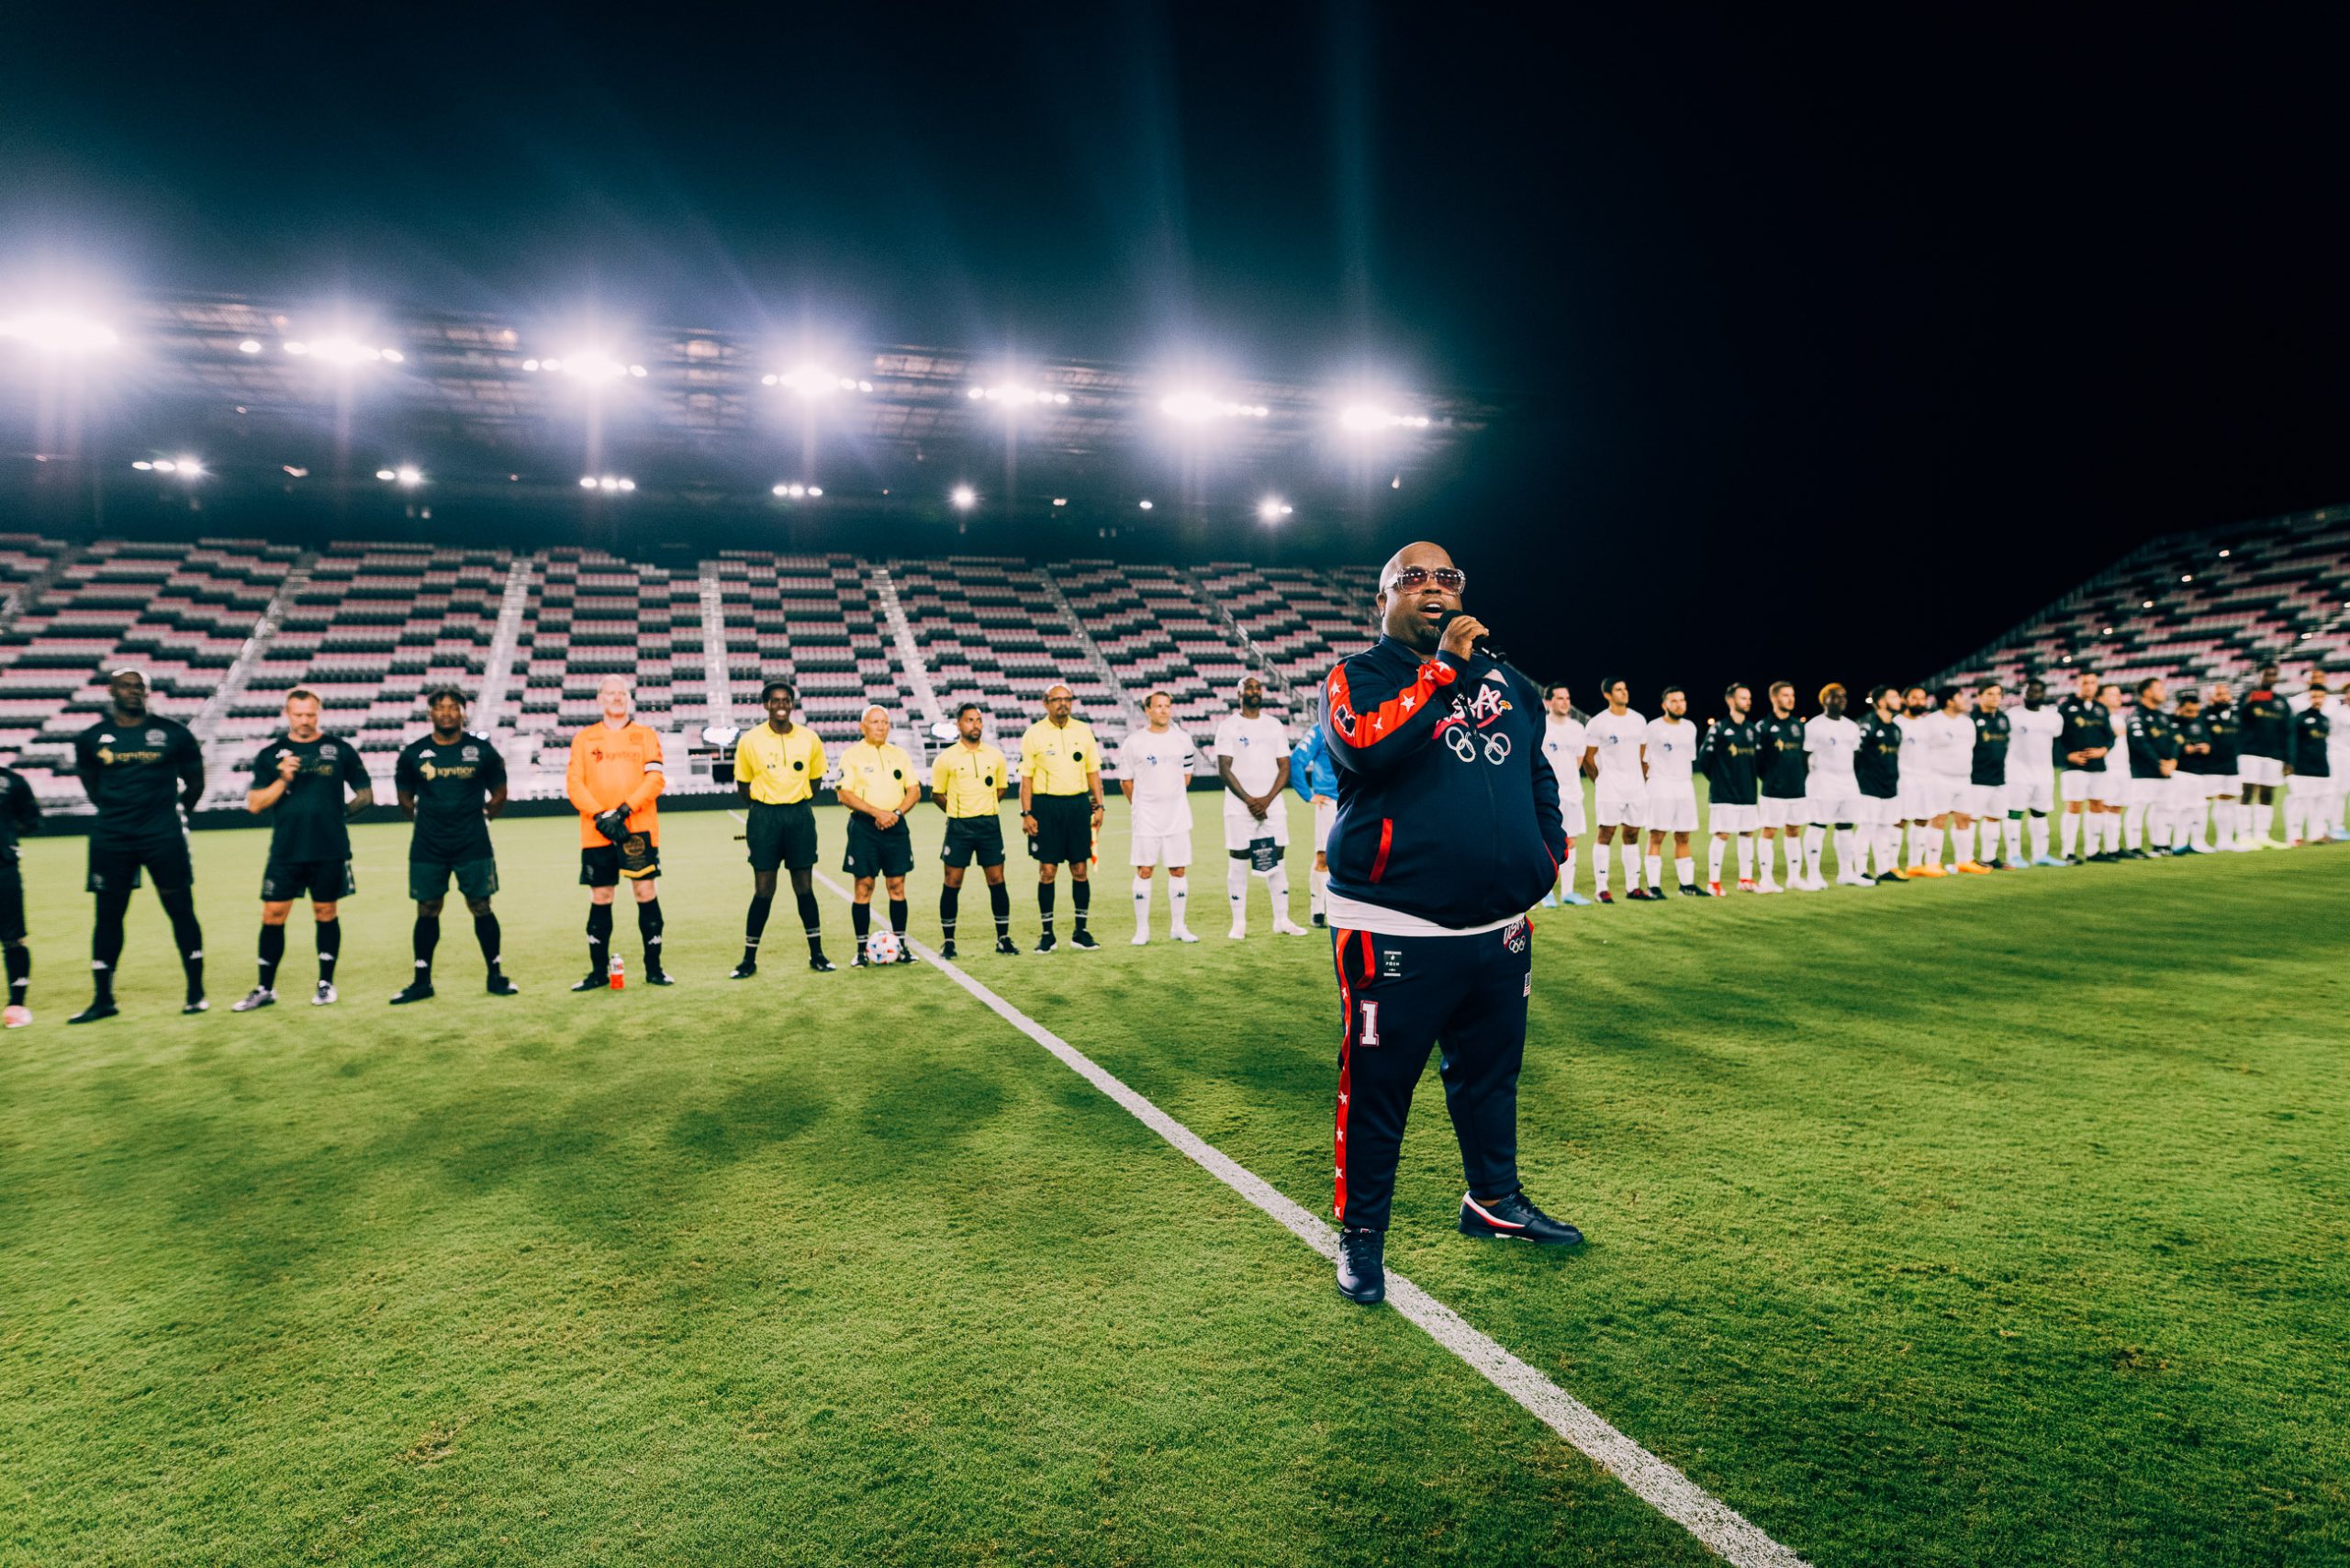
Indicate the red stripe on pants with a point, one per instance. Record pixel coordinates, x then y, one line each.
1346 1070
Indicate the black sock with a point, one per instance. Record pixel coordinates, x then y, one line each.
811 920
648 926
1080 898
999 902
179 904
947 898
273 949
105 943
599 939
1045 905
20 972
423 940
755 925
330 949
897 917
860 920
492 940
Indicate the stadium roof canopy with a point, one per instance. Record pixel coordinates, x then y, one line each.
483 399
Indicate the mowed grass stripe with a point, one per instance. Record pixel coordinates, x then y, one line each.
803 1270
1655 1482
1996 1217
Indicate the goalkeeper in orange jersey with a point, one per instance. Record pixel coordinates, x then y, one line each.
614 777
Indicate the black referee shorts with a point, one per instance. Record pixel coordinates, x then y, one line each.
878 852
1064 829
970 838
781 836
1403 995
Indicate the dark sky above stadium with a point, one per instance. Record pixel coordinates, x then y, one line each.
1857 335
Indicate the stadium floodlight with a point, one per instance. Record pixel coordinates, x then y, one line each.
251 345
586 481
1012 397
387 475
408 475
814 381
965 497
590 365
2147 605
2223 555
1364 419
2187 576
798 491
59 333
184 468
611 484
1196 408
143 465
1272 508
1146 503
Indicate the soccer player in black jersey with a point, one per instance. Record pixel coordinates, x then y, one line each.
2264 748
1876 766
298 780
2231 818
143 772
1728 759
19 814
452 785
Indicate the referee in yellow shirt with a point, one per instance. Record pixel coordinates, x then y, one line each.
878 785
1060 805
776 767
968 782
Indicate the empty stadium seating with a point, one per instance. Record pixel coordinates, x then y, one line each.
2210 605
372 626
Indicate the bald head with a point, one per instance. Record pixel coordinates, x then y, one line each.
1419 589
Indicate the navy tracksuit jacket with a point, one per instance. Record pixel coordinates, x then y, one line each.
1448 811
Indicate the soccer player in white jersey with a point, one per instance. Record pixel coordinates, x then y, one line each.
1917 779
1949 753
1563 744
1611 758
1252 756
1154 773
1833 794
1671 748
2119 819
2032 770
2337 750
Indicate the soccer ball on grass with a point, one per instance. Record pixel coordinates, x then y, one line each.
882 947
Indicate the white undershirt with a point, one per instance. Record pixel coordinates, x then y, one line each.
1351 915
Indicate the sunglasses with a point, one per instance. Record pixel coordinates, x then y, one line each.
1411 579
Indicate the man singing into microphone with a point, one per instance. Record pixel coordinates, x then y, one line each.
1448 832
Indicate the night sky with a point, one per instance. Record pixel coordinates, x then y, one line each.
1853 341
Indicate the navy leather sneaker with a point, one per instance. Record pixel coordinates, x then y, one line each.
1362 1268
1515 1220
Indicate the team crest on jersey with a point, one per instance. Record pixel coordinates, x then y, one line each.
327 750
154 737
471 753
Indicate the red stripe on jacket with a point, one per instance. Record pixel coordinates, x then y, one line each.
1362 731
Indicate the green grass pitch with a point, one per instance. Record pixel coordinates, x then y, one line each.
1999 1220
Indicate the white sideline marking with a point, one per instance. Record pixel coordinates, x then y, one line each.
1720 1528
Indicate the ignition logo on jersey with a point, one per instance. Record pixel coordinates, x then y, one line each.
109 756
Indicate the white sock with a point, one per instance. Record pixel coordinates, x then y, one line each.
1567 868
2133 827
1933 844
1847 853
1715 849
1236 888
2012 834
2068 834
1656 872
1142 903
1685 867
1319 884
1277 884
2036 829
1987 831
2113 826
1745 858
1815 845
1888 848
1766 856
1916 844
1629 856
1599 864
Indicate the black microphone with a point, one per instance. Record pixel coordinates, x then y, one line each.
1482 645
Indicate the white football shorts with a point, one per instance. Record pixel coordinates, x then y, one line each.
1672 808
1782 811
2264 770
1326 812
2036 794
1841 802
1170 849
1730 818
1619 804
